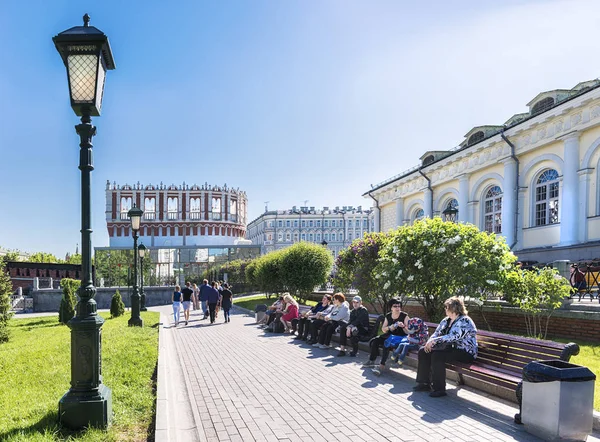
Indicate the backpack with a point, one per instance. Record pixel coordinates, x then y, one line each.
276 327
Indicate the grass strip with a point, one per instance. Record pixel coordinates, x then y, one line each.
35 367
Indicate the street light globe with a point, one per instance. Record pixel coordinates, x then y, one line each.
142 250
135 215
86 53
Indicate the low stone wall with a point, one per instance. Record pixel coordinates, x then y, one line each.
580 322
48 300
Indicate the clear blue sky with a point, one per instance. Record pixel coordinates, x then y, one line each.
288 100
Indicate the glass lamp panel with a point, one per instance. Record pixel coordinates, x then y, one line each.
100 82
82 77
135 222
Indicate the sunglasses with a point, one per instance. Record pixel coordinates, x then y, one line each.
396 306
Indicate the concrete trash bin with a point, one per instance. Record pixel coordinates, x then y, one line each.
259 312
558 400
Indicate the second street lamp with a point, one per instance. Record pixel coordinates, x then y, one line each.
142 251
135 215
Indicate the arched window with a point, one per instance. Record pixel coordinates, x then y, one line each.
125 207
418 215
542 105
546 198
475 138
428 160
493 210
450 213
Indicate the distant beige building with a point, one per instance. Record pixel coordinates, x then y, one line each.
533 179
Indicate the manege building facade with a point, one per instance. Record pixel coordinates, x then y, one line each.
534 179
177 215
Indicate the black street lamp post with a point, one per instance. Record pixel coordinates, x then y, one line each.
142 251
135 215
86 53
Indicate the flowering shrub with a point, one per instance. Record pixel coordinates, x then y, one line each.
537 294
434 259
355 268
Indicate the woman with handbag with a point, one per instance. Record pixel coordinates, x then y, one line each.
454 340
394 329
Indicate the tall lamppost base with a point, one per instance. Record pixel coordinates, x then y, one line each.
143 303
135 322
80 410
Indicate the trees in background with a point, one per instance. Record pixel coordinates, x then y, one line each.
69 299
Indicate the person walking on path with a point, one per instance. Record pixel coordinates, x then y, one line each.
204 289
195 296
187 293
212 299
176 300
226 301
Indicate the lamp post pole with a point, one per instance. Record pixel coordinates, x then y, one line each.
142 250
135 215
86 54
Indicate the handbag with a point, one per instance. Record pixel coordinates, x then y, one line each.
394 340
443 346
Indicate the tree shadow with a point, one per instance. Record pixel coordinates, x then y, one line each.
37 324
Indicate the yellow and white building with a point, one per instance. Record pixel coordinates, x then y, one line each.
533 179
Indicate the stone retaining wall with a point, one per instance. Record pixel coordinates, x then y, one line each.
48 300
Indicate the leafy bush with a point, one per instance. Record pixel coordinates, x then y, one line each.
268 272
355 267
434 259
537 294
69 299
117 307
304 266
5 313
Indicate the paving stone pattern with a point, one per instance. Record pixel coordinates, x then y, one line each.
246 385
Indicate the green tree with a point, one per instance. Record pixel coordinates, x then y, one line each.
69 299
304 266
117 307
5 313
356 267
434 259
537 294
43 257
10 256
268 274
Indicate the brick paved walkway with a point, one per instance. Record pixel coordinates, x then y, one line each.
319 397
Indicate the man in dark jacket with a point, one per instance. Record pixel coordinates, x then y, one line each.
357 327
204 288
212 299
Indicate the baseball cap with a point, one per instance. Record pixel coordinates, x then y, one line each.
357 299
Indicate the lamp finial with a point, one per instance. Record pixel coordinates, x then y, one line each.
86 20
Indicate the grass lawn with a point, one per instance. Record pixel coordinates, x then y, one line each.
589 356
251 301
35 374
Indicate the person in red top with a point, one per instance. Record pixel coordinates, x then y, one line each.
290 312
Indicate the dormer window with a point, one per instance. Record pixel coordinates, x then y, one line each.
428 160
475 138
542 105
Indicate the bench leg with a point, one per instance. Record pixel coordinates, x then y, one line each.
461 380
519 393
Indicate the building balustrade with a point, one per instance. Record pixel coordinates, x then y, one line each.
149 215
124 216
195 215
172 215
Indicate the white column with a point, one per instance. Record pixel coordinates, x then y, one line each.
585 177
399 212
569 199
428 202
463 199
376 218
509 203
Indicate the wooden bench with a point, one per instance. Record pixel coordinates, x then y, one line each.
501 358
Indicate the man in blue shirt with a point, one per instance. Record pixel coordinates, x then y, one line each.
204 288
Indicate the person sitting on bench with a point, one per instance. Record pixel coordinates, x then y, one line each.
305 320
340 314
455 339
357 328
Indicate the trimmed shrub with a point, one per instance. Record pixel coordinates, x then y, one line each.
69 299
5 313
117 307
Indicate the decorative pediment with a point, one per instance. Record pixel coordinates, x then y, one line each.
545 100
516 118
